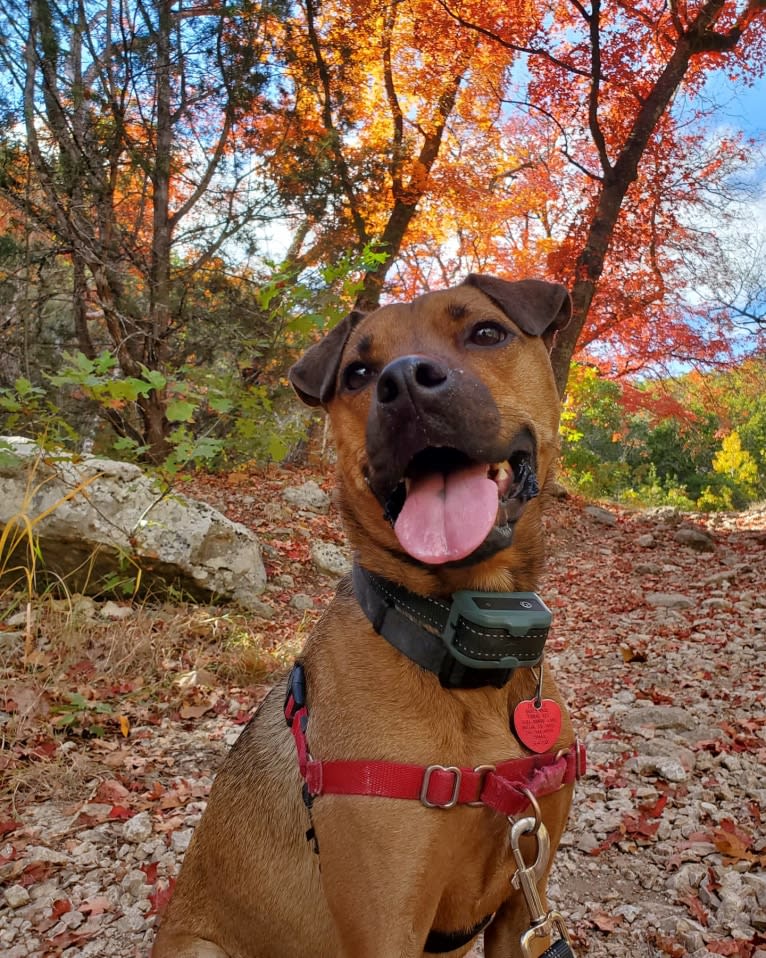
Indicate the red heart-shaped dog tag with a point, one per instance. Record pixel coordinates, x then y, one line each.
537 726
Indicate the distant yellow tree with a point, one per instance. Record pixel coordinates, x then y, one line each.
740 472
737 463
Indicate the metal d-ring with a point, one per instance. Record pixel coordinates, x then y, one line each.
532 799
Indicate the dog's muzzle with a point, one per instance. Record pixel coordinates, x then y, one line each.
448 482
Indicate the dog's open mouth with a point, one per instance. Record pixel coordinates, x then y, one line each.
447 503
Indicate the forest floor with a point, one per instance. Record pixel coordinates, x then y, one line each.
113 728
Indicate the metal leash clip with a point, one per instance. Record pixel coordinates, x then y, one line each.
526 878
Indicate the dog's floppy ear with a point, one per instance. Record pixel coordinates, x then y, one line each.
537 307
313 376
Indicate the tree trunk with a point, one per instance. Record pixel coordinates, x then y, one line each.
615 185
407 197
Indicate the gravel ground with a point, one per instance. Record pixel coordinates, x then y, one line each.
660 648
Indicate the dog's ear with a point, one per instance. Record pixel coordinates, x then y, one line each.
313 376
537 307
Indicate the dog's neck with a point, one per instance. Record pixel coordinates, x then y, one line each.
516 569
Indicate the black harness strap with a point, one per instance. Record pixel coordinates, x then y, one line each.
441 942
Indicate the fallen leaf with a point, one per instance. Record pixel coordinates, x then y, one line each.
160 896
111 791
604 921
195 711
60 907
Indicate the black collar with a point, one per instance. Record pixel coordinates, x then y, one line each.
414 625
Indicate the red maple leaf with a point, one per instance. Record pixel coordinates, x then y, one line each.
160 895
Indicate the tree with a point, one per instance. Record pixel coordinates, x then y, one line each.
605 77
363 122
119 147
563 141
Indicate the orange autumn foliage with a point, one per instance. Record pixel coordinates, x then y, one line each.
526 138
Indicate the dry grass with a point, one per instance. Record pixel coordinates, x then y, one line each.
87 673
91 675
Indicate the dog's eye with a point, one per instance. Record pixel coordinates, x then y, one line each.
357 375
487 334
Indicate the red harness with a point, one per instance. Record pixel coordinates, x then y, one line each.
504 787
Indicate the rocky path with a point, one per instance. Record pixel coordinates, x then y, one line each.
660 647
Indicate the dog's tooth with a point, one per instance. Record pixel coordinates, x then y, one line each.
502 472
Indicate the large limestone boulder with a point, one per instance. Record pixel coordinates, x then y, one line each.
95 518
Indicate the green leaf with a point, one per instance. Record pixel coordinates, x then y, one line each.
220 404
103 363
277 447
180 410
154 378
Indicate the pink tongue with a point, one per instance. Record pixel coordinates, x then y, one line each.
445 518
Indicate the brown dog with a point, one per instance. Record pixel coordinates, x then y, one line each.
444 412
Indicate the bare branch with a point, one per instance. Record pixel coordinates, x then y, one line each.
509 45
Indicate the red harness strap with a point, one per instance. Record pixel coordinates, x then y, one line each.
503 787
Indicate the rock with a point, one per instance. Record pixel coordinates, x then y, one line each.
646 541
328 557
688 877
757 884
309 496
262 609
138 828
604 516
134 884
658 716
132 921
628 912
715 603
669 600
106 517
111 610
587 842
302 602
16 896
179 840
695 538
664 758
40 853
665 515
73 919
671 770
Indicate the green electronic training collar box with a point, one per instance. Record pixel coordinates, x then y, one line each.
497 629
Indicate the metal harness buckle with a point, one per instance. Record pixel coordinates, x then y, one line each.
482 771
452 801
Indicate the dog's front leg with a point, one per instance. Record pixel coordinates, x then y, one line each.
378 874
170 945
503 937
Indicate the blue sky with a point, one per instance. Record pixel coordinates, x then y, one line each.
744 108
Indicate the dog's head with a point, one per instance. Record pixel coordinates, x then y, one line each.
445 415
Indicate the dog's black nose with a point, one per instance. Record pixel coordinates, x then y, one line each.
410 375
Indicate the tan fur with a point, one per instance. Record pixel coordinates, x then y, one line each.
391 870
